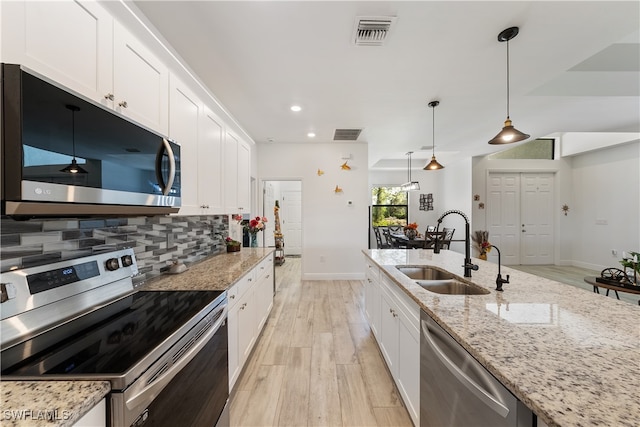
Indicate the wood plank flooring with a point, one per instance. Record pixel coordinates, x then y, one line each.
316 362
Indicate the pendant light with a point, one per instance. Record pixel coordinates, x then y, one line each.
508 134
433 164
410 185
73 167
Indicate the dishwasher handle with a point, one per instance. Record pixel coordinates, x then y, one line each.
464 379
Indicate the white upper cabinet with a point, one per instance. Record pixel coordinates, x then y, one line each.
69 42
140 82
80 46
184 119
210 177
244 176
236 173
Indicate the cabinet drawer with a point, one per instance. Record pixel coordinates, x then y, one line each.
371 270
235 293
265 266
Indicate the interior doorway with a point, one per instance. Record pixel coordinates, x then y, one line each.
520 216
289 196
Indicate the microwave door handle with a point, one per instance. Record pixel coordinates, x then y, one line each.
165 147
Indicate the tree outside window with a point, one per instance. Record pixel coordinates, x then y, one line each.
388 206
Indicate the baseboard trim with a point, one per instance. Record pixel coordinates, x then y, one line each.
333 276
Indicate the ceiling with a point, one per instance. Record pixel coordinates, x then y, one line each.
574 67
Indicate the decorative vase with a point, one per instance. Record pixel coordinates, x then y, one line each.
254 240
483 256
233 248
410 233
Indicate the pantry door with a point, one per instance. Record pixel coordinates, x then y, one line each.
520 217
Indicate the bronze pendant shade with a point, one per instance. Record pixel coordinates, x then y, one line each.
508 134
433 164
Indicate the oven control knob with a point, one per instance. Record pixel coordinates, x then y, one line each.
112 264
127 260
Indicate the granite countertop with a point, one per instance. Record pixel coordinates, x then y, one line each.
72 399
48 403
570 355
216 273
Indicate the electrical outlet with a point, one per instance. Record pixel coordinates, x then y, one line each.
614 252
323 258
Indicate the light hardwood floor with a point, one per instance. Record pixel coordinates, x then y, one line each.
316 362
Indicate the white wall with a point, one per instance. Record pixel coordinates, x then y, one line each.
334 233
605 189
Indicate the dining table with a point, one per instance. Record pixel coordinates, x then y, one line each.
425 241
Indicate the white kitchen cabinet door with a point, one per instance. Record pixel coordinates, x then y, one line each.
372 298
230 173
185 110
96 417
389 343
247 325
210 163
244 177
69 42
140 82
408 376
233 323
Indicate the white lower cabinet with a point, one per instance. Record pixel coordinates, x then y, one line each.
96 417
395 320
250 302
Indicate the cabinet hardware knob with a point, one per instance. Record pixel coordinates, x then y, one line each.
123 104
232 296
109 96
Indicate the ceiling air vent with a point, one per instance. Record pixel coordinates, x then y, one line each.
346 134
372 30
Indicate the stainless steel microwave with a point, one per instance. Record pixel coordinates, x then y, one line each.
63 154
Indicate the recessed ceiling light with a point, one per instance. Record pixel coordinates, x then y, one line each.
296 108
311 135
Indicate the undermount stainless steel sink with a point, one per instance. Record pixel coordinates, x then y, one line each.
424 273
452 287
440 282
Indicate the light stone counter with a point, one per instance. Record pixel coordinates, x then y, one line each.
570 355
216 273
68 401
48 403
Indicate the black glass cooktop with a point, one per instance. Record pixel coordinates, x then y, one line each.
109 340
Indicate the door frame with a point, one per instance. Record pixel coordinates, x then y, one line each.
263 181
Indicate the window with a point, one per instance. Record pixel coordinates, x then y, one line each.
388 206
541 148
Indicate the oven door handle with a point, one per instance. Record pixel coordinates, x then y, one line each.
147 394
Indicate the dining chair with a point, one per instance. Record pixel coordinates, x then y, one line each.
395 228
446 239
379 242
431 228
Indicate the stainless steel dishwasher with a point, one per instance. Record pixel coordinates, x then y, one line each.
456 390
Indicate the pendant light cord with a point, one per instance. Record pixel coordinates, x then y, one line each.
433 132
507 79
73 132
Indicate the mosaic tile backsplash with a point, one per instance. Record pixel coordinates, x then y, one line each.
156 241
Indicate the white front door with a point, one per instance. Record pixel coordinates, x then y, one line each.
520 217
292 221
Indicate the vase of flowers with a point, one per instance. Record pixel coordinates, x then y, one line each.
481 240
253 227
232 245
411 230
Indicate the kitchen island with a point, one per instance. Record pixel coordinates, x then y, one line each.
571 356
63 403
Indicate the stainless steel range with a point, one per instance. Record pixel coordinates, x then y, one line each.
164 353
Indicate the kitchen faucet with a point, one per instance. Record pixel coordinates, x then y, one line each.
468 266
499 279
